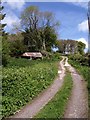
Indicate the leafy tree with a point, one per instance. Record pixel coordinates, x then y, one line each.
62 44
2 32
30 21
5 45
17 46
48 25
5 51
39 29
81 47
50 37
59 44
70 46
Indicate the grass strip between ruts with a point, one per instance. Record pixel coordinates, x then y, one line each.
56 107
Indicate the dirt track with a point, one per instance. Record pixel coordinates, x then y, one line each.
78 104
30 110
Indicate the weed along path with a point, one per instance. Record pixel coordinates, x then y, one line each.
31 109
78 104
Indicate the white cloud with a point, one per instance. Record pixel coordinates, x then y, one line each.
57 1
81 3
83 40
10 20
83 26
15 4
19 3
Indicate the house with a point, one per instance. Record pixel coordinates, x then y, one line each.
32 55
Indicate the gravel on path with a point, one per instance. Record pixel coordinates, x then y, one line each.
78 104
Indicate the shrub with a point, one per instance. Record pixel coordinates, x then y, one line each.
81 59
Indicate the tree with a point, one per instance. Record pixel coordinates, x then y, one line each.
17 46
71 46
30 18
67 46
48 33
38 25
5 51
5 44
81 47
2 32
30 21
50 37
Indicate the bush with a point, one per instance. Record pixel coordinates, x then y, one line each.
5 51
81 59
51 56
4 60
56 56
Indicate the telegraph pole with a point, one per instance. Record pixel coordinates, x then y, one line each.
88 15
88 27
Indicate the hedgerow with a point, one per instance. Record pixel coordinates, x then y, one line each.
81 59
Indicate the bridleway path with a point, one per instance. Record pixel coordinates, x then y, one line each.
78 103
31 109
77 106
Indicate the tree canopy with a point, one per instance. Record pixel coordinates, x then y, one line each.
3 36
39 29
70 46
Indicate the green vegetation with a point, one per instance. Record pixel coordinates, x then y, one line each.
70 46
39 29
79 59
23 80
3 38
36 33
56 107
81 64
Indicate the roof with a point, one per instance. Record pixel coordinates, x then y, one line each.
32 54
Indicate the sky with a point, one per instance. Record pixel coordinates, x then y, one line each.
72 15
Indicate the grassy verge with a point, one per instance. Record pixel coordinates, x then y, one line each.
23 81
84 71
56 107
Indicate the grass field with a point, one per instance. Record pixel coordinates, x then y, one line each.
23 80
56 107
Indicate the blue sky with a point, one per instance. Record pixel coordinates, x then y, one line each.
71 15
